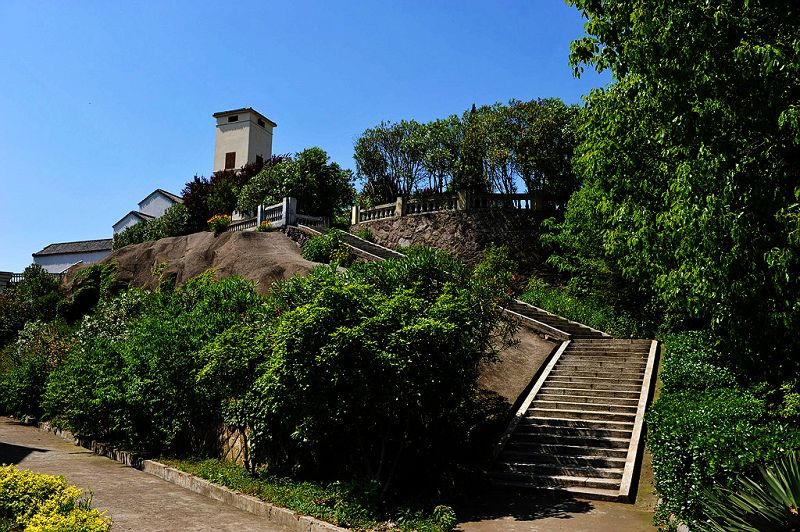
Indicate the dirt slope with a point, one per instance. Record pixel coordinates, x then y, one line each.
260 257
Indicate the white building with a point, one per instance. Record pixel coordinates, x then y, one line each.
153 206
243 136
56 258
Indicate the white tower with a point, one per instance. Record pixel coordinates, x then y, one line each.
243 136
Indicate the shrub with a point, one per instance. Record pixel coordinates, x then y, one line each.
328 247
590 309
33 298
445 517
39 348
219 223
366 234
372 371
693 362
702 438
265 226
40 502
131 379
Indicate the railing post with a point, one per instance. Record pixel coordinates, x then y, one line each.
400 206
355 215
462 203
259 214
289 211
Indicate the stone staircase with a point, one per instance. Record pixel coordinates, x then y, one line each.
550 324
580 427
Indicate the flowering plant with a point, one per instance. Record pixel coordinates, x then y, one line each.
265 226
219 223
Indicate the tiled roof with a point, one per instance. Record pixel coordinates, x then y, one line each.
82 246
138 214
173 197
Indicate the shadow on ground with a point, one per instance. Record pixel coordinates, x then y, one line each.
14 454
527 506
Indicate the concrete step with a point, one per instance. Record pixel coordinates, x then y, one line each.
621 342
596 407
593 415
544 395
539 481
597 494
537 469
625 355
519 456
605 372
592 384
557 425
569 376
559 438
602 362
549 389
525 448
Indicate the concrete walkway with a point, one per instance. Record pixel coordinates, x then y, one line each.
536 512
135 501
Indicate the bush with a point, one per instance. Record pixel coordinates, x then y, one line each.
131 379
365 233
592 310
219 223
372 372
33 298
703 438
41 503
265 227
328 247
39 348
704 429
693 362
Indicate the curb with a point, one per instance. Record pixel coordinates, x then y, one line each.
247 503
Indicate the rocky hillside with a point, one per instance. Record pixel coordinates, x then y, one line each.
260 257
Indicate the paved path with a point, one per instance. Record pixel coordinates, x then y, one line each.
533 513
135 501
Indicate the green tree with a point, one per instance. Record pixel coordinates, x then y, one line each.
693 157
321 187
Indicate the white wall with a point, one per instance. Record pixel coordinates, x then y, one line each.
59 263
155 205
245 137
129 220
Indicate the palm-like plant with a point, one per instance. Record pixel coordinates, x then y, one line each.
768 502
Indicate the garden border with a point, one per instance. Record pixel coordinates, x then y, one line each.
274 514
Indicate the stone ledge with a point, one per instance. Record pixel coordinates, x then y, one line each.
247 503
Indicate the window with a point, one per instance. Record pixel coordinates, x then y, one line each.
233 118
259 160
230 160
262 123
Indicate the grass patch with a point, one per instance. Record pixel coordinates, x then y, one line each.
589 309
354 505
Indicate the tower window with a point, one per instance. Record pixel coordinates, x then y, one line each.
259 160
230 160
233 118
262 123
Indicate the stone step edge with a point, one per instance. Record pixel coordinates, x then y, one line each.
596 494
274 514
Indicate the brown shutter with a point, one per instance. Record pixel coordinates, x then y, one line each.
230 160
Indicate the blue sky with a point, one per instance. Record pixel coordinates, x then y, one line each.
102 102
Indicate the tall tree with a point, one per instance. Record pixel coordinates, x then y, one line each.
693 154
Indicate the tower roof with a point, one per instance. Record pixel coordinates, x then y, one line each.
244 110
